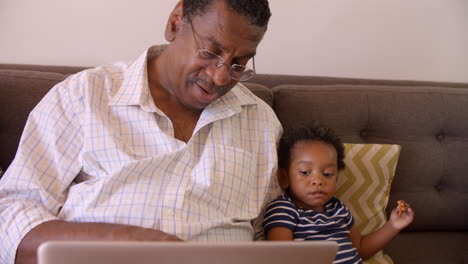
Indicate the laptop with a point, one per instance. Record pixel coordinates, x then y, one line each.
111 252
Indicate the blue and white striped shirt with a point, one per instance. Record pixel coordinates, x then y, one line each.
333 224
97 149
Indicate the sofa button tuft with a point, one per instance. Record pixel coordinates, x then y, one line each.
438 187
440 136
364 134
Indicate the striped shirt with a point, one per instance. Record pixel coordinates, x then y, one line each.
333 224
97 149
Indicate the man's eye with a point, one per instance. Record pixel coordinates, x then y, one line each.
208 55
238 68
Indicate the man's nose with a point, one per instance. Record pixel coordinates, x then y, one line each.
220 74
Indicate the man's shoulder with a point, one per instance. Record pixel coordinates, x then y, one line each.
104 78
249 96
112 70
253 102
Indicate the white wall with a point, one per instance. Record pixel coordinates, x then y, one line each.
389 39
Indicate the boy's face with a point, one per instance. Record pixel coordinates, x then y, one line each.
312 174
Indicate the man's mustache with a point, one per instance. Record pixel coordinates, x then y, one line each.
222 89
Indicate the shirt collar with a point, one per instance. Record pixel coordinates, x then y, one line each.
227 105
134 89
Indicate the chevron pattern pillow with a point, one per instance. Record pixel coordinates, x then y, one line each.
364 186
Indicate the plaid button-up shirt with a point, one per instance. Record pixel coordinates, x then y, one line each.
97 149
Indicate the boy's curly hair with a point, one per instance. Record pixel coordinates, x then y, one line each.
311 132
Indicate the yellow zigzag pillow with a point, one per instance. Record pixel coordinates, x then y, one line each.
364 186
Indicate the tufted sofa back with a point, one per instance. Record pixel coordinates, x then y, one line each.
428 119
430 123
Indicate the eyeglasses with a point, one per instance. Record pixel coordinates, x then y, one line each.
210 60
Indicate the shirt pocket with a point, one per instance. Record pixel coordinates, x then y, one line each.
222 183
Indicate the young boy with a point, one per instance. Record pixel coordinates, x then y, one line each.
309 161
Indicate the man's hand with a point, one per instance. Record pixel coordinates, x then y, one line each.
62 230
135 233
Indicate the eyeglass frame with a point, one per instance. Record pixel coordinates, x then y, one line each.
221 61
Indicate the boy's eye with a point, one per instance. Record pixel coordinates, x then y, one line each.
304 172
328 174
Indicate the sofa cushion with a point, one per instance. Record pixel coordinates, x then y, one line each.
426 121
43 68
21 91
272 80
364 186
429 247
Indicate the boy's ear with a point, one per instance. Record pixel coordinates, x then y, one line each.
174 23
283 179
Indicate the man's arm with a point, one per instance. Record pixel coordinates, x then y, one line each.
62 230
268 156
35 186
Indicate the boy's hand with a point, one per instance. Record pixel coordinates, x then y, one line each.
402 215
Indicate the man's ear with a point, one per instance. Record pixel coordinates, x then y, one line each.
283 179
174 23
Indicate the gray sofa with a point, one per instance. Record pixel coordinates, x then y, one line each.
428 119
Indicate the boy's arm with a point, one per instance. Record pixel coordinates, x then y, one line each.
279 234
280 220
370 244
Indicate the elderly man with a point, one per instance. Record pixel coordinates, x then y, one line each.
169 147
